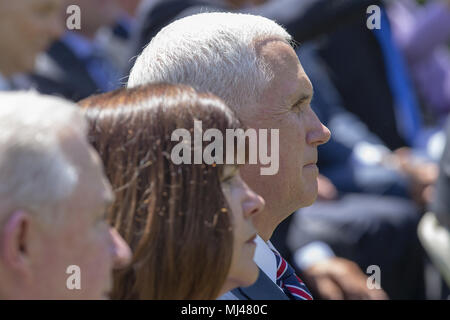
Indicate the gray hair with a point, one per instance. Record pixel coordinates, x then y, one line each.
35 174
212 52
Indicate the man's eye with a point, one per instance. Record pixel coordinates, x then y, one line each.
297 106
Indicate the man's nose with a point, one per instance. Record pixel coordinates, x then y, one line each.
319 133
121 250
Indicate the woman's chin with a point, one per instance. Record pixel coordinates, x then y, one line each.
250 277
244 280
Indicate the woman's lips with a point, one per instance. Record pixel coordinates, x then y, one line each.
252 239
311 165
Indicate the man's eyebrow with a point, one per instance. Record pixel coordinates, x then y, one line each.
307 93
303 97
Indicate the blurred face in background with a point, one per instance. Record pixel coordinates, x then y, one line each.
130 6
96 14
27 27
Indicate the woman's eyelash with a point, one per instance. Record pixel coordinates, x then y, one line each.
227 179
230 177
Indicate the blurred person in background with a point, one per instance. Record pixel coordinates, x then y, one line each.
117 39
386 101
434 228
53 195
27 28
303 19
189 225
422 33
76 65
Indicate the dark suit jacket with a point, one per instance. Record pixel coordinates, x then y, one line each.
73 81
262 289
355 61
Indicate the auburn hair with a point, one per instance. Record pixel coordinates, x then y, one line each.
174 217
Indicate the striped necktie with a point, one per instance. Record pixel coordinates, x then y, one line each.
289 282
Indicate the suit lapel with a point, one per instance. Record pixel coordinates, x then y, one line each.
262 289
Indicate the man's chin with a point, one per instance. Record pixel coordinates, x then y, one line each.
308 199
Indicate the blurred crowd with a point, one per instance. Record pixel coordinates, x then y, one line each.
384 184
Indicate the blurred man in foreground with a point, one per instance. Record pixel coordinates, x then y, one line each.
53 195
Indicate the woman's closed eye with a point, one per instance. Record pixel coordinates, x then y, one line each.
229 173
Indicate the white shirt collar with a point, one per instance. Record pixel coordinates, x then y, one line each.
266 261
265 258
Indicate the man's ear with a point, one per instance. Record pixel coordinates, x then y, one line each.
14 243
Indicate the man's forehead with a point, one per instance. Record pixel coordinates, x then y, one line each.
305 85
288 73
93 183
282 61
276 51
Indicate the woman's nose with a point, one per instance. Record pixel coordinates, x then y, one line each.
121 250
253 205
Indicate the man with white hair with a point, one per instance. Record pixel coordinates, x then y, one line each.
248 61
54 241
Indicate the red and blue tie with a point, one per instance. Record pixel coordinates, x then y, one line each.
289 282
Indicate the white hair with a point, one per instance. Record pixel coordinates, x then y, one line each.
212 52
35 174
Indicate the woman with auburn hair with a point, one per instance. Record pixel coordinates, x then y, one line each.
189 225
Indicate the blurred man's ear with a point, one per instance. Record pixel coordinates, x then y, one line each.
14 244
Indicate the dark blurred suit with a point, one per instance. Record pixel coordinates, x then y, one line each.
304 20
71 80
358 69
75 75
